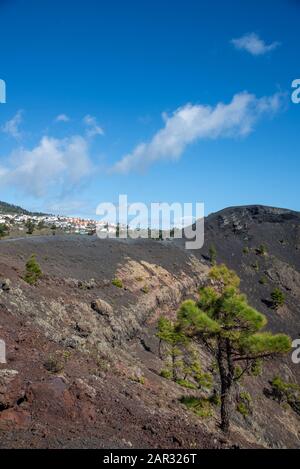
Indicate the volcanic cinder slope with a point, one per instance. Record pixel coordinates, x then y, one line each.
83 368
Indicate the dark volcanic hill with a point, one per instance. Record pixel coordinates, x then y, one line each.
83 365
238 233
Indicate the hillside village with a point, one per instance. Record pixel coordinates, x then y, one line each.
18 223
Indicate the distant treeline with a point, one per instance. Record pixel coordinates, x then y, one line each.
10 208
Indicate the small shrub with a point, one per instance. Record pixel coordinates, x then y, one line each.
287 394
238 372
215 398
33 271
41 225
263 280
201 406
246 250
54 364
167 374
66 355
242 409
30 226
145 289
117 282
4 230
244 404
278 298
138 379
186 384
256 368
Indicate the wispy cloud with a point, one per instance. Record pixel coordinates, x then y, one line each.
93 128
52 163
253 44
194 122
12 127
62 118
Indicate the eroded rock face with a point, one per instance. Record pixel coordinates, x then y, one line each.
10 388
88 284
16 419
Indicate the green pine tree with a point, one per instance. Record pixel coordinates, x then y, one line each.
30 226
33 271
231 330
278 298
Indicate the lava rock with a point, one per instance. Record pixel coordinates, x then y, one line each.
102 307
5 284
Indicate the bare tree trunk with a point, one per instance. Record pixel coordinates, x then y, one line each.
174 374
226 376
225 413
159 349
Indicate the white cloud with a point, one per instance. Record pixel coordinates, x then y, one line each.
193 122
53 163
93 128
62 118
11 127
253 44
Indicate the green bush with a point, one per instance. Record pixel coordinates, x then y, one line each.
215 399
186 384
263 280
244 404
54 364
201 406
33 271
4 230
256 368
167 374
117 282
137 379
278 298
286 393
30 226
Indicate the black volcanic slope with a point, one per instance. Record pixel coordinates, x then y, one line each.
238 232
98 398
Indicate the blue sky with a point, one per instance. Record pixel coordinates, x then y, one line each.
91 82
